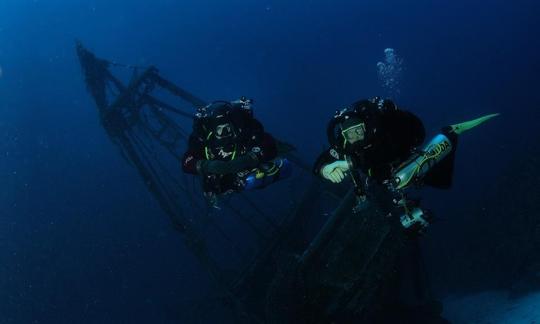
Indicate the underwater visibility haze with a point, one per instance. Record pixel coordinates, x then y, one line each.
111 213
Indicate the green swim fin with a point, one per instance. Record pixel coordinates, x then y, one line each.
465 126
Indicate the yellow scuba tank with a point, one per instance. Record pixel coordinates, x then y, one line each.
434 152
416 168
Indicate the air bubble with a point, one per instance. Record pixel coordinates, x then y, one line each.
390 71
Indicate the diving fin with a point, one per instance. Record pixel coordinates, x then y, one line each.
465 126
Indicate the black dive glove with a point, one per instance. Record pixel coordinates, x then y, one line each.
243 162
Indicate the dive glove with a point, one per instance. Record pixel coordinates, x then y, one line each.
335 171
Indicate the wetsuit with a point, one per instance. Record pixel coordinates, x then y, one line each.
249 138
391 136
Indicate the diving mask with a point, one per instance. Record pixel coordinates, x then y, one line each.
354 133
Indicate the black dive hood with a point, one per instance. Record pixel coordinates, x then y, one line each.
361 112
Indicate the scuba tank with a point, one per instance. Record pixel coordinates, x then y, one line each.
434 152
414 219
266 174
421 163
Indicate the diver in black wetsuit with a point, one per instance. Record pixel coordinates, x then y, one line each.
230 150
377 145
381 141
374 134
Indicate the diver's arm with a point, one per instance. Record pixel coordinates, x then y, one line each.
265 152
331 165
246 161
261 148
190 161
328 156
193 155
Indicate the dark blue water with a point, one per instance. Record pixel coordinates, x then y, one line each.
81 239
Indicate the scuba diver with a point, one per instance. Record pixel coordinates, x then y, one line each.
374 140
231 151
